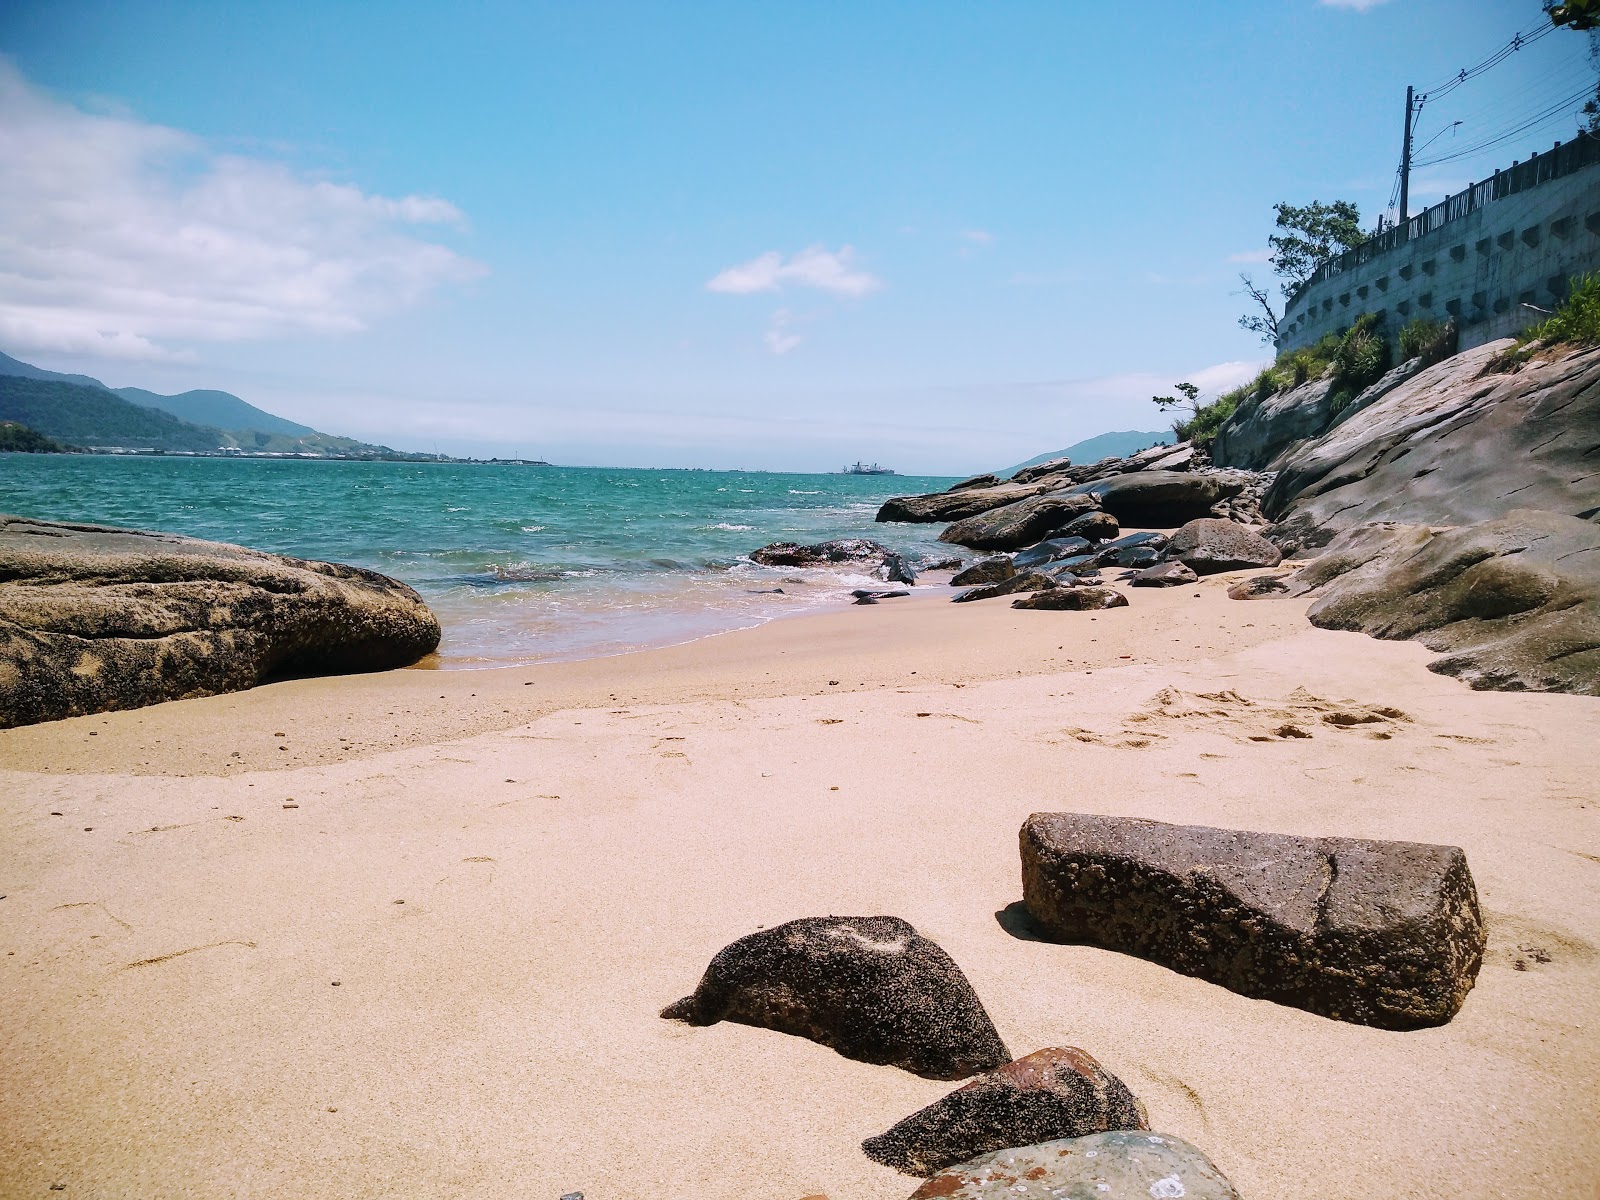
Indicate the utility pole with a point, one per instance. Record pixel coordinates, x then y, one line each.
1405 163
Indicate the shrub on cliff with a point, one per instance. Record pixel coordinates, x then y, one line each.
1577 321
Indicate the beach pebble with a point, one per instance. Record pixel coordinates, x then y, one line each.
1053 1093
872 988
1122 1165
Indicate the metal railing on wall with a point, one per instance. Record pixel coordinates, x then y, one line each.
1563 159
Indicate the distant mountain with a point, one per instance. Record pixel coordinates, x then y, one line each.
1105 445
97 416
222 410
133 418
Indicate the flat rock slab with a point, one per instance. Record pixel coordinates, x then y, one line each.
1372 932
872 988
1102 1166
1055 1093
95 618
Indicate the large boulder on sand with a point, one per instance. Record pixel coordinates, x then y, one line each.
990 570
1013 526
1120 1165
1073 599
1167 574
1513 604
1027 581
872 988
1161 499
1376 933
94 618
1096 526
1210 545
1061 1092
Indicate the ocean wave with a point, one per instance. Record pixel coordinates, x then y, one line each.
529 528
729 528
798 492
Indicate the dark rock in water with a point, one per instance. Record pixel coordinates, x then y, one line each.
1096 526
944 564
1012 526
1076 599
1145 555
872 988
765 591
1030 581
1376 933
1044 552
94 619
1513 604
1056 1093
1170 574
1163 499
1208 546
867 599
1078 564
953 506
1258 587
1052 466
1120 1165
977 481
990 570
872 595
841 550
898 570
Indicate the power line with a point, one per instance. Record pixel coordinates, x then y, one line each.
1555 111
1518 42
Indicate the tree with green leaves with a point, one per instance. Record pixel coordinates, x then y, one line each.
1312 234
1579 14
1191 395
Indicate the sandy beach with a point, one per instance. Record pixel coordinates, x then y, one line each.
408 934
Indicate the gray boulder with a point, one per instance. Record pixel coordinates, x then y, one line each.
955 505
1013 526
821 554
1372 932
1119 1165
990 570
898 570
95 618
1061 1092
1053 466
1210 545
1028 581
1161 499
1168 574
1049 551
1096 526
871 988
1074 599
1259 431
1078 564
1513 604
977 481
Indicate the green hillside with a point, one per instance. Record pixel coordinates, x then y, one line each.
220 410
93 416
16 438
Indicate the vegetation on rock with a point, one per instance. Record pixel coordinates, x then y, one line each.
17 438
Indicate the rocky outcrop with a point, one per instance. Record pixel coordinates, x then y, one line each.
1457 444
1049 551
94 618
1210 545
1052 466
990 570
872 988
956 505
1120 1165
1061 1092
1260 430
1028 581
1073 599
1376 933
977 481
822 554
1013 526
1162 499
1513 604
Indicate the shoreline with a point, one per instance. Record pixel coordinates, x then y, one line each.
509 872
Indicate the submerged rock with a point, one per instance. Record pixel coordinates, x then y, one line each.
1061 1092
872 988
94 618
990 570
1120 1165
1373 932
1031 581
1023 523
1209 545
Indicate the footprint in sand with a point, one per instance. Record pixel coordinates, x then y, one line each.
1525 945
1301 715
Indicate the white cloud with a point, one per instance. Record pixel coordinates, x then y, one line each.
780 337
120 238
1358 5
813 267
1252 256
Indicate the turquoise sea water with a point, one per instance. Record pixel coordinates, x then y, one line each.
522 564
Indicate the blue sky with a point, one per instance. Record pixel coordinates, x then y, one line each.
945 236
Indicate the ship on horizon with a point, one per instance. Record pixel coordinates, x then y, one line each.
860 468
